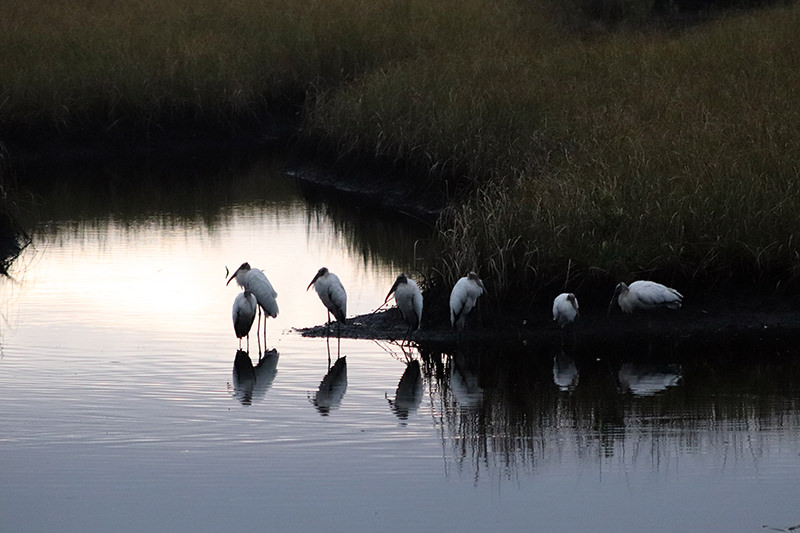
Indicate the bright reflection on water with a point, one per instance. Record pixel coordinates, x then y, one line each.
126 406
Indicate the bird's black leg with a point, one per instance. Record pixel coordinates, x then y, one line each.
328 344
258 324
338 339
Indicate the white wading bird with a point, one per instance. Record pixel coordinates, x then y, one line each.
565 309
244 312
644 296
409 300
254 281
463 298
332 293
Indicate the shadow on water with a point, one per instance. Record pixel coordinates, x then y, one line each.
332 388
506 410
250 383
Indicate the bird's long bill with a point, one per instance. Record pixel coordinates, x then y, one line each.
313 281
391 291
611 303
232 277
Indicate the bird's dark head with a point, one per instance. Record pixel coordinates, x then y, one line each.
619 289
472 276
573 300
321 272
243 268
401 279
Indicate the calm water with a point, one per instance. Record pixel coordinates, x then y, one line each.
121 410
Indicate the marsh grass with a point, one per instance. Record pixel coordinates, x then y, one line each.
570 158
671 155
96 66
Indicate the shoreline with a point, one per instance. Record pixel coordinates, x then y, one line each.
691 324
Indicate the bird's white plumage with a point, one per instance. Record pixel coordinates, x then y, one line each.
244 313
565 308
409 300
255 281
646 295
463 298
331 292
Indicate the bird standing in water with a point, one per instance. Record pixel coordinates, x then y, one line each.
565 309
256 282
644 296
244 313
463 298
409 300
331 291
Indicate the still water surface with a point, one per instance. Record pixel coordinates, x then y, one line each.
122 412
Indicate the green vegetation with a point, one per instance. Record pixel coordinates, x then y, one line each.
572 145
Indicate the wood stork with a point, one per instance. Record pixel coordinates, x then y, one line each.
244 313
255 281
463 298
565 309
409 300
331 291
644 296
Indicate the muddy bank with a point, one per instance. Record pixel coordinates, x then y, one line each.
692 324
374 190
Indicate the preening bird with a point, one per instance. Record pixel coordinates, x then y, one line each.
332 293
463 298
256 282
244 312
565 308
409 300
645 295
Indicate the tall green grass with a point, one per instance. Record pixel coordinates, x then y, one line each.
84 64
627 154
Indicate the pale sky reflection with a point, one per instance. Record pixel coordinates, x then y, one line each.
167 279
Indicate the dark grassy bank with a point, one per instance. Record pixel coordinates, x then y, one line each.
576 143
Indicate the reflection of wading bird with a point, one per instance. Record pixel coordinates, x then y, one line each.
252 382
644 296
463 298
642 379
332 387
409 300
409 391
244 312
565 372
254 280
565 309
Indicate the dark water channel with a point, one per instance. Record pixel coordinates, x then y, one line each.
126 405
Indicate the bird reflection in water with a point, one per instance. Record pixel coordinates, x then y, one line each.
252 382
645 379
565 372
408 396
331 388
464 385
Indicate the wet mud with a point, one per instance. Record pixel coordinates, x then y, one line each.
691 324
